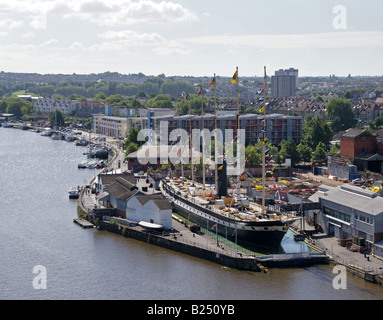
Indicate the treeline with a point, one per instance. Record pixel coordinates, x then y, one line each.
89 89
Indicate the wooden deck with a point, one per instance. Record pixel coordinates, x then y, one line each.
83 223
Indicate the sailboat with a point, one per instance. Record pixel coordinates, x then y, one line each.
233 217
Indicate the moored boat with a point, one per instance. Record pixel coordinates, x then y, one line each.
74 193
234 217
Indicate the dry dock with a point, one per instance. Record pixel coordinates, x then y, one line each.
182 239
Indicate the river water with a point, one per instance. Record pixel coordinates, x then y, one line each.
37 229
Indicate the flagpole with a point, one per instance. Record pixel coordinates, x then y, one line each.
203 142
191 146
182 162
238 143
264 144
215 140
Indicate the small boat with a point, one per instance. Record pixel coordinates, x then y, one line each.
82 165
7 125
47 132
74 193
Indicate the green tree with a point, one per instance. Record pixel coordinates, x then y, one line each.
18 106
289 151
195 106
340 112
320 152
115 99
305 152
131 147
101 96
159 101
131 137
315 130
56 118
3 105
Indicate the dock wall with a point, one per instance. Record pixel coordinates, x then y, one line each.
250 264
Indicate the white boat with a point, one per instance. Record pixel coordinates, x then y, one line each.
55 136
47 132
73 193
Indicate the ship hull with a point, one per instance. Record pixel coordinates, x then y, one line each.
266 234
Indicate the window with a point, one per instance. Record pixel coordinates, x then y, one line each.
337 214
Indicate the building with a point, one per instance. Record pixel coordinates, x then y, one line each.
363 149
103 180
85 109
284 83
278 127
349 211
117 194
68 107
110 125
153 209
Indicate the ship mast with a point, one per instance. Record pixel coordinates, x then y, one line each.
238 143
203 142
215 140
190 143
264 145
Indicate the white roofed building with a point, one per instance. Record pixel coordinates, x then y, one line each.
349 211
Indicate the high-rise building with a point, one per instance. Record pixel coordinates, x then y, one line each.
284 83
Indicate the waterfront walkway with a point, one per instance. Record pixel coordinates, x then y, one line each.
342 255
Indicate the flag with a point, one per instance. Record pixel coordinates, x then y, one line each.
186 98
200 92
220 168
213 227
235 76
261 110
212 83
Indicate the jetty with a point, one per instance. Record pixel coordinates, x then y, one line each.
83 223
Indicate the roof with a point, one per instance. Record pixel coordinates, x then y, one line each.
109 178
354 197
161 202
122 189
369 157
354 133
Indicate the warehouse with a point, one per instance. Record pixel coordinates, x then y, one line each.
349 212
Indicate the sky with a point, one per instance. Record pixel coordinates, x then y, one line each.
192 37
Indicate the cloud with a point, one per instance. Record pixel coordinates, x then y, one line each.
295 41
104 12
133 37
10 24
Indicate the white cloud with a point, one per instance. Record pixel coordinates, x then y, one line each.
104 12
10 24
28 35
304 41
133 37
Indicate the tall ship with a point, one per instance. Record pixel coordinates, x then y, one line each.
232 216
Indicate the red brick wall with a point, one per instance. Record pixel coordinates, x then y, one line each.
353 146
